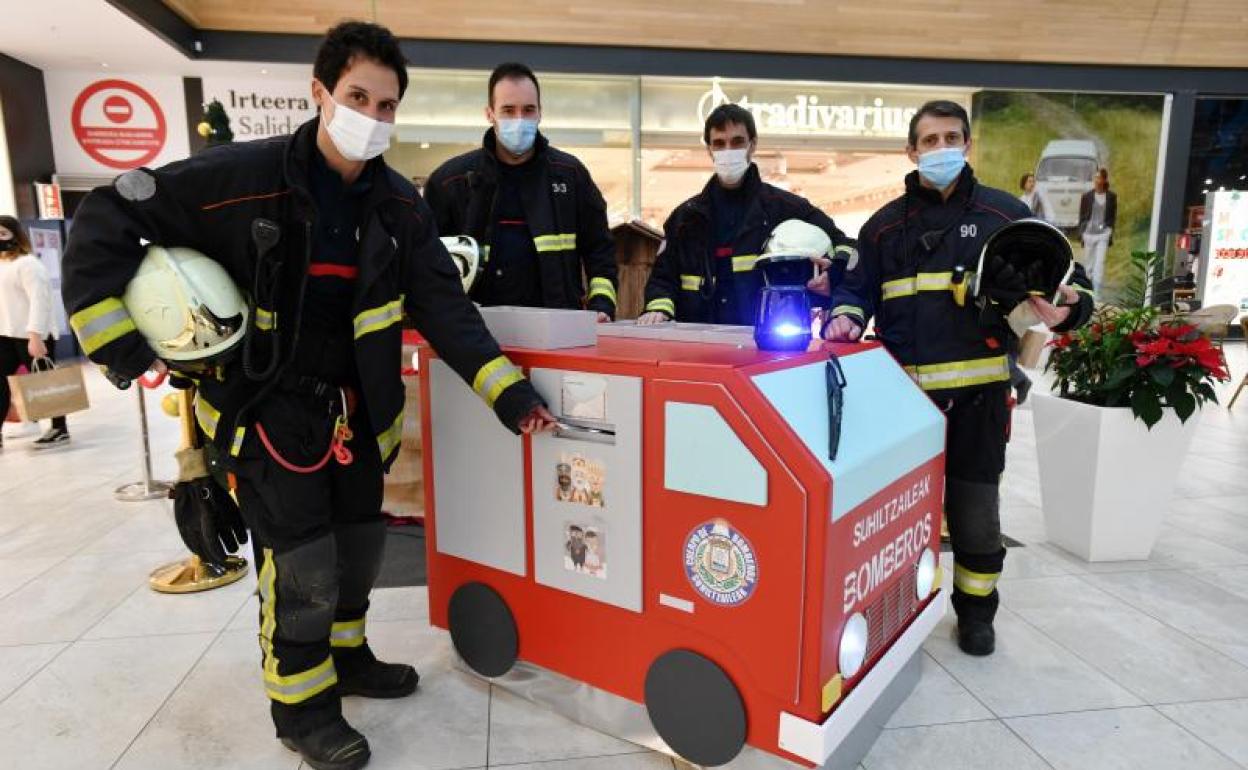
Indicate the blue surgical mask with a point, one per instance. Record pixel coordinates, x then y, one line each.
941 167
516 134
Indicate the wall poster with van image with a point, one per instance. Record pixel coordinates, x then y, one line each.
1062 140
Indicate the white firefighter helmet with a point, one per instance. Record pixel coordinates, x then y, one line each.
467 257
793 237
186 306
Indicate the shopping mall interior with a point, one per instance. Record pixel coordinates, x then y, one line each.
605 544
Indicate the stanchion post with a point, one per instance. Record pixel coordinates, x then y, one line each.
146 489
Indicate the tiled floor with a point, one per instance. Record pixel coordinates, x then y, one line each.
1133 665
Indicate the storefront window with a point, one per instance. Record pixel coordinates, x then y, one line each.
842 147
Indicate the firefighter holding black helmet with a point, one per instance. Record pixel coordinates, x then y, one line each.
299 389
949 278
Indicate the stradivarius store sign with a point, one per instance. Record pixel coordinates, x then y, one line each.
260 108
789 108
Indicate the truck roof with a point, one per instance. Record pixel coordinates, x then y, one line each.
1078 148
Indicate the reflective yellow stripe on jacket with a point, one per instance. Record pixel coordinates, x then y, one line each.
495 377
209 418
744 263
389 439
661 305
378 318
909 286
101 323
961 374
266 320
691 282
555 242
602 287
301 685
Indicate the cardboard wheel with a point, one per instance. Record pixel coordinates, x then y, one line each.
483 629
695 708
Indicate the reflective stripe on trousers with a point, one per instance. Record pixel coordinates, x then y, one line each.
289 688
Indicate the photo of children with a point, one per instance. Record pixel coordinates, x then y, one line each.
580 480
585 548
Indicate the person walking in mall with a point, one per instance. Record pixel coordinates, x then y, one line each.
334 247
704 271
1098 211
27 321
911 255
535 211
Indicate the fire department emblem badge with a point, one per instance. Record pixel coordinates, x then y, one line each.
720 564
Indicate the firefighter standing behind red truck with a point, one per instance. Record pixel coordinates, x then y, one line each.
909 254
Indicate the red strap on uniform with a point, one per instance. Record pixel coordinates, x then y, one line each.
992 343
723 251
329 269
519 222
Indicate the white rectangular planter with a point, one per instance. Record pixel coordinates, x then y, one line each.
1105 480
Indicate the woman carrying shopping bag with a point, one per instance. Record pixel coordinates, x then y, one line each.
27 324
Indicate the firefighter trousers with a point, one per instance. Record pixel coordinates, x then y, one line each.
318 540
978 428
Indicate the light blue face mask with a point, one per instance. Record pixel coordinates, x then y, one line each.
941 167
516 134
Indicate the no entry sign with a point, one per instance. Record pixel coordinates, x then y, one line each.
118 124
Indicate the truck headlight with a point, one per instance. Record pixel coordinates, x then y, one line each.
853 645
925 573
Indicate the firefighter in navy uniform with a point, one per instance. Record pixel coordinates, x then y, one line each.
917 256
705 269
540 219
333 247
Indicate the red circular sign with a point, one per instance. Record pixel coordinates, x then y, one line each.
136 136
117 108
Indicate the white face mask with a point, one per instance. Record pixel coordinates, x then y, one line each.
357 136
731 165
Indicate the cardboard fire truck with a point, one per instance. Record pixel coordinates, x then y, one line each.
682 563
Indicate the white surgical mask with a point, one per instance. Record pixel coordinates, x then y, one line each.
731 165
357 136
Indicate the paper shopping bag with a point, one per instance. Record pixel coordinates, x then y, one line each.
49 391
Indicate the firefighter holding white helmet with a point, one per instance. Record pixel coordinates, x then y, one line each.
705 269
944 270
280 273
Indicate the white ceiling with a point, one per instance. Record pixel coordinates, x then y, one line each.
93 35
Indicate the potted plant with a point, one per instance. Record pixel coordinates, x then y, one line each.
1111 444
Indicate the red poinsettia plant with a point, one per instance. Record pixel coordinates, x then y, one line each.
1126 358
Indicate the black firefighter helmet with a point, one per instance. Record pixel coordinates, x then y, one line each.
1025 258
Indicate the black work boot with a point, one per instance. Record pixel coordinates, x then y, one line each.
976 637
335 746
360 673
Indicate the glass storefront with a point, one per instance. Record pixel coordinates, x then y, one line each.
841 146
